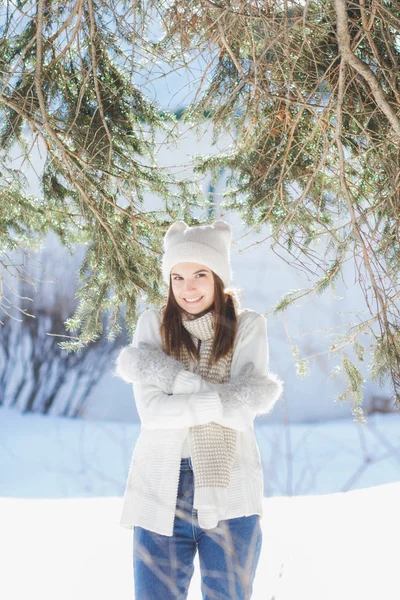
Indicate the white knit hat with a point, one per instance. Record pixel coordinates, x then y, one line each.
208 245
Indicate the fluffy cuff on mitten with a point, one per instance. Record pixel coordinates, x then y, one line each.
148 364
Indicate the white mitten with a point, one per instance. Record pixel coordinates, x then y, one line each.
257 392
148 364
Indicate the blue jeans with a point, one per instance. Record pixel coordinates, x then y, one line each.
228 554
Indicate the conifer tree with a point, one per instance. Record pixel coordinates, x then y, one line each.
68 80
311 95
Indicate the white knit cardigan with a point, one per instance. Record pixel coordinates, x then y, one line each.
152 486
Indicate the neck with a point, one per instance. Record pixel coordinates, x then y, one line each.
200 326
191 316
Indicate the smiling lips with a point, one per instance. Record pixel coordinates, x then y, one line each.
194 300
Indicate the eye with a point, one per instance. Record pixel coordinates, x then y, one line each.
198 275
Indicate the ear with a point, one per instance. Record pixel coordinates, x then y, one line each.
176 227
224 227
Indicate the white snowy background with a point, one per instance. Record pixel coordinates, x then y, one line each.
331 485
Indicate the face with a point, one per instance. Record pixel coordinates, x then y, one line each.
190 281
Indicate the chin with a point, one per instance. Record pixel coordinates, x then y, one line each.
194 310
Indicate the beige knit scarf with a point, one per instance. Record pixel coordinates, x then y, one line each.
212 446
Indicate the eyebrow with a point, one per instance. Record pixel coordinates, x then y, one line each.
199 271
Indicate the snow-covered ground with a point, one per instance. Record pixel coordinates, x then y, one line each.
61 489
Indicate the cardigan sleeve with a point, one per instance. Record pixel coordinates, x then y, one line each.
159 410
236 417
259 393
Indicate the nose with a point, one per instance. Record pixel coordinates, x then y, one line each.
189 285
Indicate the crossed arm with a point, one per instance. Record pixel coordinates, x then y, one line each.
185 398
151 365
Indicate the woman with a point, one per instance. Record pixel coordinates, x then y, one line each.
199 368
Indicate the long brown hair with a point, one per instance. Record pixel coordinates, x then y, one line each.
174 335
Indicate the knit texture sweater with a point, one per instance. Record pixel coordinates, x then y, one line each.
212 446
153 479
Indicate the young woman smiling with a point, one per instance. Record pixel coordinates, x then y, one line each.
199 368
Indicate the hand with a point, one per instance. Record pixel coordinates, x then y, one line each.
241 389
149 364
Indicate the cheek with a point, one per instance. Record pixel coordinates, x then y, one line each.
174 288
209 287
